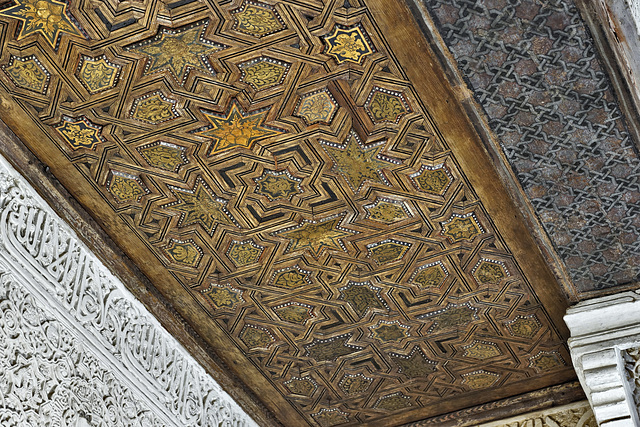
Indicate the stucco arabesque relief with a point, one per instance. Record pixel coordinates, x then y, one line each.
77 348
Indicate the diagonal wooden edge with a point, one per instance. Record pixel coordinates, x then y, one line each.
66 206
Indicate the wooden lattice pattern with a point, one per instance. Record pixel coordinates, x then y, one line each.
275 161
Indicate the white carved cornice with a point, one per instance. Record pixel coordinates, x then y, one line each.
604 335
78 348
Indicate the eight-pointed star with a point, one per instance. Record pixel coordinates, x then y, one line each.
177 52
47 17
357 163
236 130
315 236
198 206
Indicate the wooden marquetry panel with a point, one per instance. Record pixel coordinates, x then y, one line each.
276 174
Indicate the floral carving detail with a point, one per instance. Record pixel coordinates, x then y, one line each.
432 179
482 350
199 206
348 44
452 316
302 386
416 365
489 271
263 73
223 296
164 155
316 236
244 253
125 187
278 185
524 326
430 275
480 379
97 74
330 417
178 51
256 337
393 402
387 210
47 17
359 163
236 129
362 297
40 353
291 278
384 105
154 108
80 132
387 251
82 389
184 252
355 384
257 19
317 107
322 350
462 227
294 312
28 73
546 361
389 331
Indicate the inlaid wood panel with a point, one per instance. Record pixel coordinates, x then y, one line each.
280 178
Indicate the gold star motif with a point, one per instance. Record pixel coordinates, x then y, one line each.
415 365
237 129
177 52
315 236
47 17
198 206
357 163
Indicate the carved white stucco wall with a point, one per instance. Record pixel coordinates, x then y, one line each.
76 348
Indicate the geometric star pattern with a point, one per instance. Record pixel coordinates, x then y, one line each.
236 129
177 51
199 206
315 236
50 18
277 173
358 163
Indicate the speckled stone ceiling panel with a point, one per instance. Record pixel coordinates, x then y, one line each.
533 68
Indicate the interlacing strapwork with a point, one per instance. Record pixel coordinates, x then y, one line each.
274 160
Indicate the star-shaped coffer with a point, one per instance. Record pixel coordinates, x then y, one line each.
178 51
236 129
200 206
314 236
358 163
47 17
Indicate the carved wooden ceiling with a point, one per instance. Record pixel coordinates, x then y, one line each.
298 179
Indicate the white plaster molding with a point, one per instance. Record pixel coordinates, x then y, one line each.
77 348
604 332
577 414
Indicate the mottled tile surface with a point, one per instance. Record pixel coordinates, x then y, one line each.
532 66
